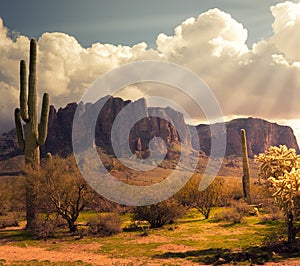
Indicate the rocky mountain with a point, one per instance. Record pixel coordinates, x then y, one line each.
155 124
260 133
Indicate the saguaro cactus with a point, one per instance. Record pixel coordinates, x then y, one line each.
246 171
35 133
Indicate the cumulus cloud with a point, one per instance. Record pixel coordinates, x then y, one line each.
259 81
212 33
286 29
262 80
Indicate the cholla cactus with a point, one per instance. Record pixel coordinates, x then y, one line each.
285 188
281 167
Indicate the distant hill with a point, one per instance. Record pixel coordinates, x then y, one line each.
260 133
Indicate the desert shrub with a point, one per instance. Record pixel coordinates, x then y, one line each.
105 224
4 200
267 218
12 195
235 212
242 207
231 215
271 213
47 225
259 194
9 220
236 192
270 208
159 214
231 190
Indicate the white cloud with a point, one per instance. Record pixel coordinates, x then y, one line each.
262 81
9 96
286 29
212 33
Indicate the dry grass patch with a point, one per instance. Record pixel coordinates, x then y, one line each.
150 239
174 248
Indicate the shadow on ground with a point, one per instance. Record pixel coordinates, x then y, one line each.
11 236
253 255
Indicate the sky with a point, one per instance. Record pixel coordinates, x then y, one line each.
127 22
246 51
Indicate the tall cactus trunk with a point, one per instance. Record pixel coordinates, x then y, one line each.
246 171
35 133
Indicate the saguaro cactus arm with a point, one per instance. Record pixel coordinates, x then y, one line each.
43 127
23 92
32 95
19 129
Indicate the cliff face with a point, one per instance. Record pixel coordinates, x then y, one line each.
59 139
156 124
260 133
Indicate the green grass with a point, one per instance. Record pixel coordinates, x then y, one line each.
196 233
196 239
192 231
86 216
19 238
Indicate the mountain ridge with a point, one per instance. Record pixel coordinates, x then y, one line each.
260 133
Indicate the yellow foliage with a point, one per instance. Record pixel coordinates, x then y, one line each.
281 167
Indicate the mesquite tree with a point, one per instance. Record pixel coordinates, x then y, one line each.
35 133
203 201
62 189
281 167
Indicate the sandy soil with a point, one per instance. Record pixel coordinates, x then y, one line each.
174 248
13 253
83 252
284 263
87 253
